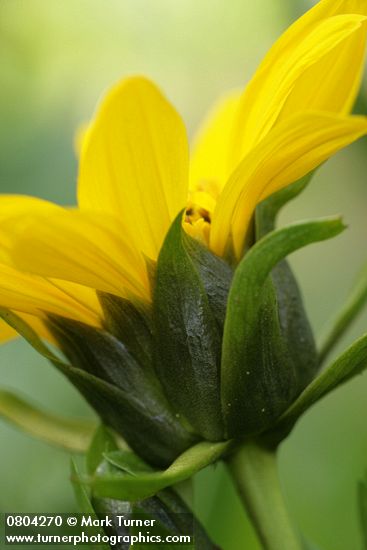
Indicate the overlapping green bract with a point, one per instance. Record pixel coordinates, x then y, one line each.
127 396
222 353
189 302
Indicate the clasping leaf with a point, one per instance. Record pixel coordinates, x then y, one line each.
259 374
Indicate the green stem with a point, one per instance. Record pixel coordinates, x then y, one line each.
254 471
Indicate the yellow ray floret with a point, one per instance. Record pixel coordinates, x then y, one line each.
134 163
29 295
291 150
34 295
315 65
210 159
84 248
133 176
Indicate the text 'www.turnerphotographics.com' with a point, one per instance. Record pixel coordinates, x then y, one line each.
84 529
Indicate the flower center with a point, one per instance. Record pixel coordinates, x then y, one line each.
201 205
194 213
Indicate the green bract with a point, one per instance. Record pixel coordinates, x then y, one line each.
223 353
189 303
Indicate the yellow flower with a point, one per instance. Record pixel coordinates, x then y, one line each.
134 175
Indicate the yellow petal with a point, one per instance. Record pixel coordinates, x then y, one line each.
331 84
292 149
315 65
134 163
14 213
27 293
83 248
24 292
18 207
210 151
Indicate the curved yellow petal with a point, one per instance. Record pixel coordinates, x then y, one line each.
210 159
315 65
19 207
15 205
332 84
134 163
82 248
292 149
14 213
28 293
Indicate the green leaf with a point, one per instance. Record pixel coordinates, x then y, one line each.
69 434
84 502
99 508
80 490
124 486
188 337
103 442
338 326
295 328
259 375
362 505
349 364
131 324
293 321
127 461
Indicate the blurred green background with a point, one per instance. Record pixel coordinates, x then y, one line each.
55 60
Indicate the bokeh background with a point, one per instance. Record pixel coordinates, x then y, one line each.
56 58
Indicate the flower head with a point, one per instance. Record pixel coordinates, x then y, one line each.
135 178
